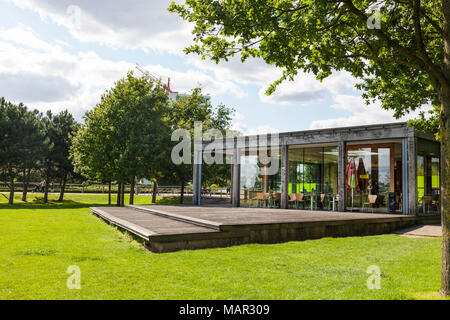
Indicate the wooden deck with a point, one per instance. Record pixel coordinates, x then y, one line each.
171 228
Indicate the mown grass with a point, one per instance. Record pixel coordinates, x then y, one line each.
38 242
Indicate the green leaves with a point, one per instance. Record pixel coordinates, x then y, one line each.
122 136
321 36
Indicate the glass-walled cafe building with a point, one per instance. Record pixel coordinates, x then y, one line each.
387 168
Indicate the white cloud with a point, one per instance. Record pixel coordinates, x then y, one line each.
44 76
239 125
131 24
305 87
361 114
30 67
185 81
147 25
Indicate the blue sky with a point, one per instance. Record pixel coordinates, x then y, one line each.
63 54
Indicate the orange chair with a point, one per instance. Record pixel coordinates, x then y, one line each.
299 197
261 198
292 199
277 199
372 201
321 201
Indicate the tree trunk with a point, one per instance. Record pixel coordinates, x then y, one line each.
109 193
155 191
445 160
445 193
119 196
11 189
132 192
122 201
63 188
182 192
25 184
46 191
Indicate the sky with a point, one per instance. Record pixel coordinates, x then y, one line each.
63 54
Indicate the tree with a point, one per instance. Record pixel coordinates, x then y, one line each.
401 44
124 135
32 140
64 126
90 151
184 112
48 155
18 132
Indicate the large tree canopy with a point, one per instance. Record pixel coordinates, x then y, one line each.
399 49
328 35
124 136
184 112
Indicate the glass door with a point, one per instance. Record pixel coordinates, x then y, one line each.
374 178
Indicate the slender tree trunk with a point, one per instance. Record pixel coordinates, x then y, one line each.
182 193
155 191
119 196
11 189
63 188
26 181
122 201
109 193
445 193
445 159
46 190
132 191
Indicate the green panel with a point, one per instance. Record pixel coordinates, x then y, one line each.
420 182
435 182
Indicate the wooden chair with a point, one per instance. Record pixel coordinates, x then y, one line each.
267 199
260 198
277 199
293 199
400 201
436 202
427 203
372 201
321 201
331 198
299 197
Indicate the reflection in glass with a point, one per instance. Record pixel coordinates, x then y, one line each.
258 176
314 171
379 178
428 184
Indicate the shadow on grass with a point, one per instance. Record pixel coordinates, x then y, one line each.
38 203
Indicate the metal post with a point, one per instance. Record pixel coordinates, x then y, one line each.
199 194
284 176
341 176
196 180
405 187
412 173
236 190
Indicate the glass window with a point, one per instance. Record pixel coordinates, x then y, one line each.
420 177
374 177
428 183
260 173
314 172
435 185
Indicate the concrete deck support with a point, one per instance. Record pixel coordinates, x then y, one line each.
341 175
236 189
284 176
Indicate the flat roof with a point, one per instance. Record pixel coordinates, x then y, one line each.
393 130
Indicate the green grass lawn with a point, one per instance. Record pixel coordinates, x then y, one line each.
39 242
